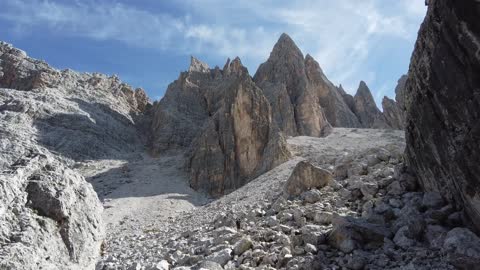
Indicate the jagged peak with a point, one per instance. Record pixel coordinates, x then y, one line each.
364 91
198 66
234 67
285 43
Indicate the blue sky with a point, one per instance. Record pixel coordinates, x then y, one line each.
148 42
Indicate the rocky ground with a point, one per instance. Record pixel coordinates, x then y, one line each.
369 215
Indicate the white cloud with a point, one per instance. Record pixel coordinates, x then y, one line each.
341 34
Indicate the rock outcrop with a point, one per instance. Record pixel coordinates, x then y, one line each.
20 72
366 109
50 216
443 105
394 110
224 121
51 120
392 113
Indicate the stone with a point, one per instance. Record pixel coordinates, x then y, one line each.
402 238
463 248
324 218
349 232
53 219
310 248
162 265
304 177
209 265
221 257
432 200
241 246
442 104
311 196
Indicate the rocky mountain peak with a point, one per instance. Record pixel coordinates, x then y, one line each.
234 67
286 51
198 66
366 109
364 91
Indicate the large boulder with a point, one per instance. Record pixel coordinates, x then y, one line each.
50 216
443 105
463 248
304 177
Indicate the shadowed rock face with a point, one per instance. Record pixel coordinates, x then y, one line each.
366 109
442 100
393 114
394 110
224 121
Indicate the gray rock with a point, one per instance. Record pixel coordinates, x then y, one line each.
53 219
366 109
239 141
311 196
241 246
433 200
221 257
463 248
442 104
305 176
402 238
291 92
209 265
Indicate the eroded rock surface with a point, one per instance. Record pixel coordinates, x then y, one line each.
443 106
224 121
50 122
366 109
292 95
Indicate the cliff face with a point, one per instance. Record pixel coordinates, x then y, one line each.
442 100
224 121
51 217
394 110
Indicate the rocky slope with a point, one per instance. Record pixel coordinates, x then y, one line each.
442 104
368 214
50 121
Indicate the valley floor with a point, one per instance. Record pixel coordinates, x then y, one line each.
155 221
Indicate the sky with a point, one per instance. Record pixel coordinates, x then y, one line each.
147 43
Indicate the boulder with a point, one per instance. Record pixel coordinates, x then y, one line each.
463 248
304 177
53 219
348 233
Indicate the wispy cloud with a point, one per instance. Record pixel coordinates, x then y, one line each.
341 34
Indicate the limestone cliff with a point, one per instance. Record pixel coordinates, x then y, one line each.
225 122
443 105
